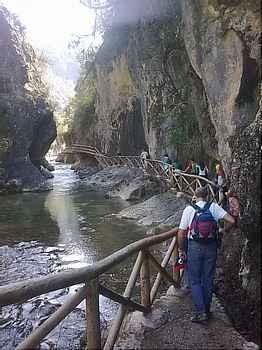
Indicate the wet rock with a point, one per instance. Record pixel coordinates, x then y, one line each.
47 165
46 173
123 182
139 187
163 208
86 172
250 346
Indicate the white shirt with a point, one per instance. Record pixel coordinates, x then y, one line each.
144 155
189 213
202 172
220 180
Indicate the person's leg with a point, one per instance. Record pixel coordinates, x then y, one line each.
209 273
195 266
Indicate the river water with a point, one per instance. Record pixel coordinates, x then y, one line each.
41 233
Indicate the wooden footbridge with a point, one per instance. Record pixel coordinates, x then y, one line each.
183 182
147 266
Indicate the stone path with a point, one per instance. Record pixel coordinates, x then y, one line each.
169 327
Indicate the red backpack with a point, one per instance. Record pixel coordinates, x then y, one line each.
203 227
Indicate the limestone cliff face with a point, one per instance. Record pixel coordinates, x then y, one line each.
184 78
27 128
147 93
222 42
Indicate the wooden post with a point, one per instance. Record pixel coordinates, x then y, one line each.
34 339
163 264
93 333
145 281
114 330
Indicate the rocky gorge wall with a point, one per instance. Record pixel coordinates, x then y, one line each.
184 78
27 127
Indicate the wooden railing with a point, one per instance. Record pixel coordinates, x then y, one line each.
89 276
186 183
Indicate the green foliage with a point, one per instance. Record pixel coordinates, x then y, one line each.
185 129
80 112
121 79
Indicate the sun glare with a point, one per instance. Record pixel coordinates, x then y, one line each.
51 24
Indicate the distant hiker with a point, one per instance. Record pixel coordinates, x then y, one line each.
199 221
202 169
144 156
194 167
220 181
233 205
220 175
177 166
191 167
167 162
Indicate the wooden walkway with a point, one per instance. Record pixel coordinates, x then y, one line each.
179 180
89 276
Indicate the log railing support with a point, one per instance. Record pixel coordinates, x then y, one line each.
161 270
93 332
163 264
34 339
145 281
114 330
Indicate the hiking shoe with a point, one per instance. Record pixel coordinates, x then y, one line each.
199 317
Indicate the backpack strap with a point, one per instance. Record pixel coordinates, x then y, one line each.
207 206
198 209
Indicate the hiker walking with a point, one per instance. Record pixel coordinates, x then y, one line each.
144 156
199 221
167 162
191 167
202 170
177 166
233 205
220 181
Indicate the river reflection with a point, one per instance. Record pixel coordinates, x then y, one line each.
43 233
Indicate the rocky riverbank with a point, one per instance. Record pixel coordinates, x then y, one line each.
130 184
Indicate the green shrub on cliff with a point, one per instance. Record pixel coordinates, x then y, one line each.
185 130
121 79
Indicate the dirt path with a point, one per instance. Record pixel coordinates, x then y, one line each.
169 327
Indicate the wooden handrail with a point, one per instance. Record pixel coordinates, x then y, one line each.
156 168
21 291
27 289
24 290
